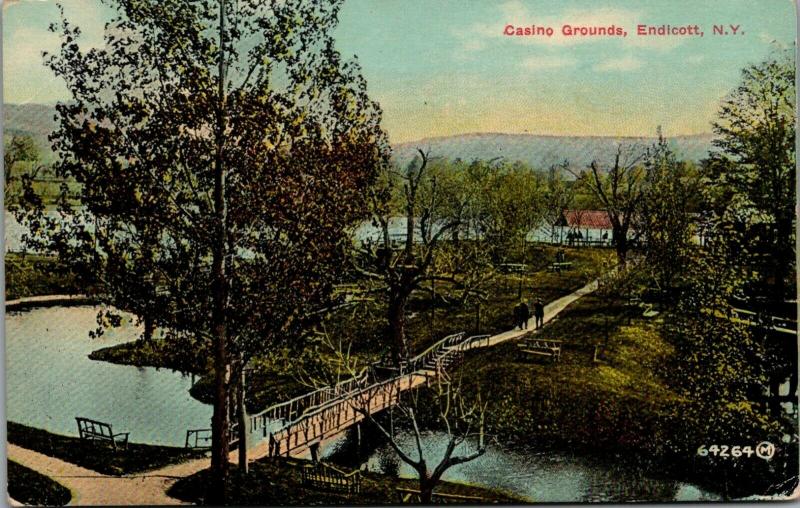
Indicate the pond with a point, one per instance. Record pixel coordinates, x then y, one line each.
537 476
50 380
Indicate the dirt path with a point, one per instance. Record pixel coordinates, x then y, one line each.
551 311
90 488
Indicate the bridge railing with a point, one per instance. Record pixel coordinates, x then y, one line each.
416 363
330 418
755 319
293 409
475 341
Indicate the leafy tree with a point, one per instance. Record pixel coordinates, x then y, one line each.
510 206
752 172
619 188
558 196
18 149
398 269
231 145
664 219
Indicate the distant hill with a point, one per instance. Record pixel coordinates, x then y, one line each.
35 120
543 151
538 151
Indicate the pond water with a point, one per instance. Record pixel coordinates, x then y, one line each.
50 380
538 476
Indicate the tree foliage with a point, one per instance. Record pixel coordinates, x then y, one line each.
752 172
224 150
431 206
619 186
665 219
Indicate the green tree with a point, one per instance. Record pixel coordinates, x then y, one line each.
231 141
559 195
18 149
619 188
510 205
397 268
664 220
752 172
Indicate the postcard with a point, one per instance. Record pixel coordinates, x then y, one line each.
385 252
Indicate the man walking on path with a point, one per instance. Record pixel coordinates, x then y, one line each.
538 312
524 314
518 316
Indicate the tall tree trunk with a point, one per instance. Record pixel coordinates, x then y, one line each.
149 328
621 245
242 420
397 325
426 483
219 421
426 492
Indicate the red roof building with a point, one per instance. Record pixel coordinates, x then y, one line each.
586 219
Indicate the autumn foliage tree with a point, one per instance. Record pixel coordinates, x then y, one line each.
223 150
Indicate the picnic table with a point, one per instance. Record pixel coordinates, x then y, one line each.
549 348
513 267
557 266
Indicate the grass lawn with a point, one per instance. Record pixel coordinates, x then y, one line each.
612 404
274 378
32 488
277 482
98 457
35 275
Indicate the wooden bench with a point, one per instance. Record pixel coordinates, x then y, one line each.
513 267
541 347
200 439
407 495
326 477
558 266
92 430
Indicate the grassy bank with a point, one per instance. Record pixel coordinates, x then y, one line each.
274 378
34 275
623 406
97 457
32 488
277 482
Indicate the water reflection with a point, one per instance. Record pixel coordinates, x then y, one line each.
50 380
538 476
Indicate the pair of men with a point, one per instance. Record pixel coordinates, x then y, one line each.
522 314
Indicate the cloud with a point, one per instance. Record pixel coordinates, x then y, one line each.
626 63
538 63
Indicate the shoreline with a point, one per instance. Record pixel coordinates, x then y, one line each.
32 302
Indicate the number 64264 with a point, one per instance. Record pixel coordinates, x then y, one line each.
725 451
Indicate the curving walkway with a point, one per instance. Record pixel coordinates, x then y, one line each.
90 488
47 301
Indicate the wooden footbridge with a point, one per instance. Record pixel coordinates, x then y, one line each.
294 427
298 426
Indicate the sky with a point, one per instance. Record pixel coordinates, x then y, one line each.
444 67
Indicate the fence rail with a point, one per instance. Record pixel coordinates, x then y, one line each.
293 409
328 419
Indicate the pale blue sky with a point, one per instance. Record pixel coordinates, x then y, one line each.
441 67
